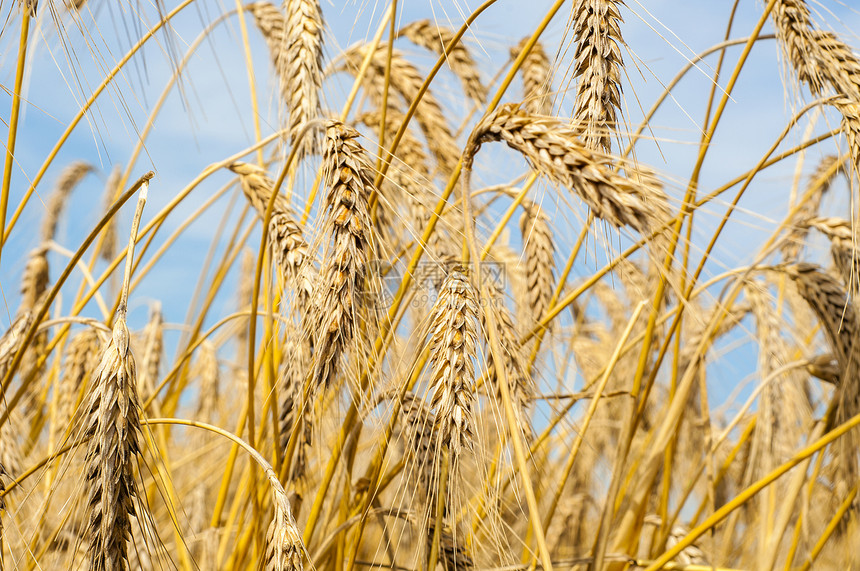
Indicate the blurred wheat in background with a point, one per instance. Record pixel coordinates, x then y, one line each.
409 286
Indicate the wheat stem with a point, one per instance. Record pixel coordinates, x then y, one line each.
13 124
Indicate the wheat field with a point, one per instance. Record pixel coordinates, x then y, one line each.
443 284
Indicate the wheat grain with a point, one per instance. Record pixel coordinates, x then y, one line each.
553 150
597 30
435 38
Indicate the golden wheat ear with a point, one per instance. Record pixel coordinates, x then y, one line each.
436 38
554 150
113 430
349 248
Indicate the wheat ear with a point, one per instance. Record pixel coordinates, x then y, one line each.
843 247
295 44
289 248
81 360
69 178
113 429
406 80
434 38
553 149
823 178
597 30
348 249
838 318
537 80
823 62
110 238
539 248
452 347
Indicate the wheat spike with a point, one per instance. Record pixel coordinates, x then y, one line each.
10 452
81 360
291 385
452 550
828 300
283 542
838 318
537 81
428 35
418 421
798 225
553 150
539 248
452 346
823 62
35 279
111 237
208 373
153 335
348 249
783 407
304 65
597 30
515 362
295 46
406 80
114 428
289 248
68 180
843 246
